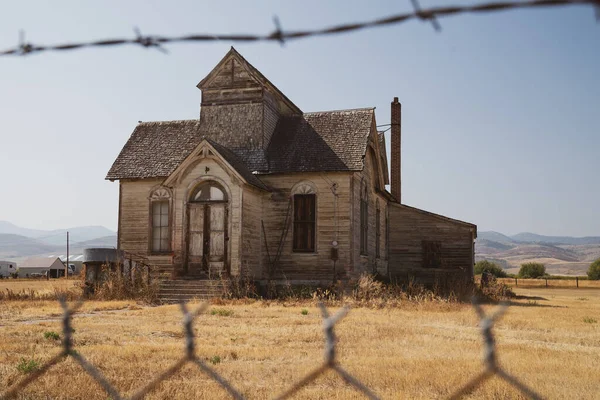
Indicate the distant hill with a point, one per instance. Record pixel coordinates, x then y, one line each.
17 242
76 234
535 238
105 241
495 237
15 246
563 255
7 227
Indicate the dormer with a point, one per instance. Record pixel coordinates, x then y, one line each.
237 98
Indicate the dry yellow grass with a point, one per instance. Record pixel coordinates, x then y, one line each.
414 351
39 285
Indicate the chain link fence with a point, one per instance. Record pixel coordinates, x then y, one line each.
330 362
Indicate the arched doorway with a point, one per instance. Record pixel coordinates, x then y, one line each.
207 231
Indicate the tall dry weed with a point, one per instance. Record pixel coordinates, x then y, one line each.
115 285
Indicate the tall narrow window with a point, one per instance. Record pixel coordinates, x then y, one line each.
364 219
160 226
378 232
160 239
304 222
432 254
387 234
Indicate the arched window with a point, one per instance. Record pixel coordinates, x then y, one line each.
364 217
305 207
160 227
208 191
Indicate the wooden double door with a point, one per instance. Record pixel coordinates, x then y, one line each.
207 239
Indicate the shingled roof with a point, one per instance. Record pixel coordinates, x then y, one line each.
155 149
321 141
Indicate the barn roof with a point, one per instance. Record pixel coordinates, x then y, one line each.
40 262
320 141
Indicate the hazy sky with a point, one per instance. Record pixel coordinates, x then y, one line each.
500 111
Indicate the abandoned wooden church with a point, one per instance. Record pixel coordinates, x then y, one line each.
257 187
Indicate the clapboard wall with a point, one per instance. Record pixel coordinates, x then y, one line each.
411 227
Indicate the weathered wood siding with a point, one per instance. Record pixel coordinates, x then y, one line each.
251 253
369 262
241 123
135 215
332 223
409 227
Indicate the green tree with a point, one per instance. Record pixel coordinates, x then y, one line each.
594 270
532 270
491 267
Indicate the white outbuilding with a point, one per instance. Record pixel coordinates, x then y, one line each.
37 266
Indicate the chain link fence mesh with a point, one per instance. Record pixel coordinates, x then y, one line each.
330 362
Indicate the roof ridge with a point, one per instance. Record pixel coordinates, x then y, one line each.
167 122
341 110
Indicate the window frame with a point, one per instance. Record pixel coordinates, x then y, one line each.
431 254
309 222
160 195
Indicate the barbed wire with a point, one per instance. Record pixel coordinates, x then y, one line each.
279 35
486 324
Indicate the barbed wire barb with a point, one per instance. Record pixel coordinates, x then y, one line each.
431 14
426 16
148 41
278 33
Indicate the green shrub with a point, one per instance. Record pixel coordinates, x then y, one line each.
51 335
490 267
223 312
594 270
26 366
304 311
532 270
215 360
589 320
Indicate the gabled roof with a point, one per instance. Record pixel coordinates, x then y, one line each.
41 262
255 73
321 141
155 149
238 164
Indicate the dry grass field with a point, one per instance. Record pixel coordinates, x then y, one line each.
41 286
550 338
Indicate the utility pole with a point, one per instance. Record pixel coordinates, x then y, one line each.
67 262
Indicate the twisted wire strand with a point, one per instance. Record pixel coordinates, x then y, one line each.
281 36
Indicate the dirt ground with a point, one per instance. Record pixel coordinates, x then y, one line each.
550 339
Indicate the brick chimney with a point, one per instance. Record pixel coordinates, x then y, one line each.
396 178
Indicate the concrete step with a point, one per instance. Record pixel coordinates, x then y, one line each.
189 285
190 293
173 291
179 298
